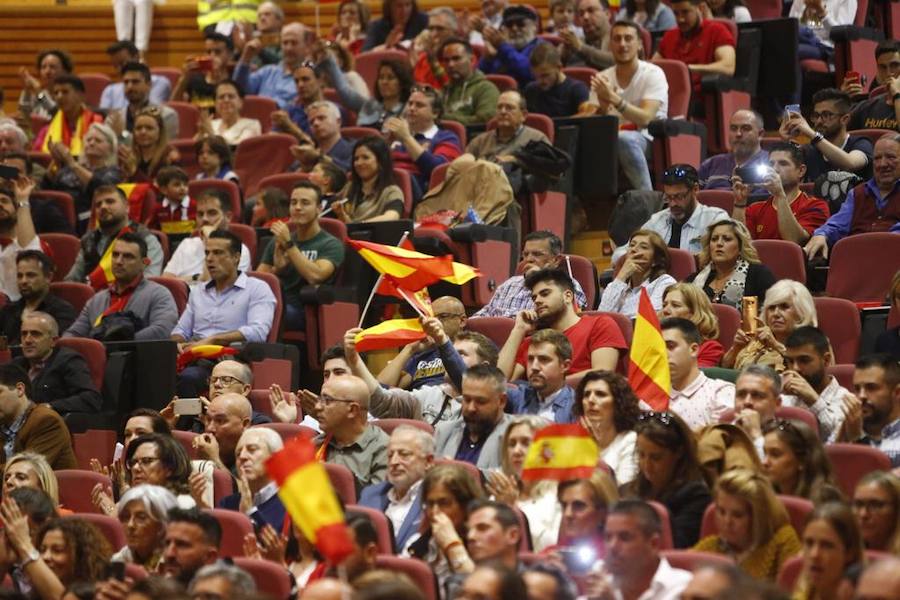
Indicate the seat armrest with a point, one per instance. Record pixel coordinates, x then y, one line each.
723 83
326 294
850 33
674 127
476 232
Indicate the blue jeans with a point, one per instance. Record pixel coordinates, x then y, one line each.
294 317
633 147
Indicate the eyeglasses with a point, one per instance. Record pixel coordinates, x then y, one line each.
680 196
225 380
870 505
423 88
515 23
825 115
660 417
447 316
780 425
329 400
143 462
680 174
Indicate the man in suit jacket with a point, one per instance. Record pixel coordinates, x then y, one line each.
25 425
410 454
59 377
257 495
476 437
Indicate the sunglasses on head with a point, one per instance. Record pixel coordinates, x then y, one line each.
680 174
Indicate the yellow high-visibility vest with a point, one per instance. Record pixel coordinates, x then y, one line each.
210 12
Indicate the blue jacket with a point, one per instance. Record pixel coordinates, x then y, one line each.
376 496
512 62
526 402
271 511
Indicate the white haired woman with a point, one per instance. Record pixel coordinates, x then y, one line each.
143 512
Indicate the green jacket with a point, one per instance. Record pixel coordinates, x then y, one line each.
471 101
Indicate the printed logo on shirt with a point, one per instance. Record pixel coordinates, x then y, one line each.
428 368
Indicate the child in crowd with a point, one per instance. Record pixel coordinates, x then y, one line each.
176 211
214 158
330 179
562 17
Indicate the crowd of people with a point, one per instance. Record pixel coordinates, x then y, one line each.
732 490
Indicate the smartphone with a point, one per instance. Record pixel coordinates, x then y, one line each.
118 452
188 407
750 174
204 63
578 559
9 172
792 109
115 570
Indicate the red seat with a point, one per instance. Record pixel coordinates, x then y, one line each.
188 118
839 320
62 200
729 323
797 508
343 482
847 280
677 146
850 462
389 425
223 486
679 79
275 286
420 572
681 263
404 180
272 580
94 354
76 294
843 374
65 249
235 525
790 571
188 153
178 289
259 400
110 527
196 187
582 74
438 174
163 239
504 83
94 443
473 471
288 431
261 109
585 273
456 127
283 181
173 74
272 370
367 64
497 329
358 132
723 199
784 258
764 9
621 320
75 488
94 84
691 560
186 439
873 135
260 156
666 541
382 526
248 237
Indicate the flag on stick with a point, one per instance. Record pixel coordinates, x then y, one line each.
560 452
648 362
208 351
412 270
389 334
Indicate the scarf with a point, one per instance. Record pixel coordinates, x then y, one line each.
58 131
102 275
733 291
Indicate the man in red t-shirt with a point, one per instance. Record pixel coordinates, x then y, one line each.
596 340
788 213
707 47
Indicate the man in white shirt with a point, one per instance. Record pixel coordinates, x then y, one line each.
696 398
188 263
637 92
806 384
685 220
633 567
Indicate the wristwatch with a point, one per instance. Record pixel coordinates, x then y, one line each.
31 557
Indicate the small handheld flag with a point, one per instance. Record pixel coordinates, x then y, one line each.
389 334
561 452
648 362
208 351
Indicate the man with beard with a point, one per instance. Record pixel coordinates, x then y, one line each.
806 384
34 270
596 340
877 384
685 220
111 207
552 93
831 148
871 206
883 110
428 64
257 495
114 97
469 97
16 230
593 50
633 567
136 79
192 541
507 51
745 128
510 134
476 437
545 393
347 438
151 303
410 454
789 213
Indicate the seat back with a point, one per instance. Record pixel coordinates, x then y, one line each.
196 187
94 443
679 80
261 109
260 156
582 74
850 462
497 329
873 135
847 280
790 572
283 181
438 174
187 150
420 572
65 249
163 239
784 258
178 288
62 200
796 413
691 560
623 322
389 425
456 127
357 132
839 320
764 9
367 64
94 354
471 469
110 527
383 527
173 74
797 508
223 486
94 84
723 199
272 580
235 525
248 238
729 323
186 439
188 118
342 481
666 541
681 263
583 271
289 431
76 294
75 486
843 374
404 182
275 286
504 83
542 123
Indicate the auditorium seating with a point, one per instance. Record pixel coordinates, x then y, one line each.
850 462
75 489
389 425
197 187
343 482
784 258
65 249
383 527
76 294
110 527
798 509
839 320
178 288
845 277
235 525
62 200
271 579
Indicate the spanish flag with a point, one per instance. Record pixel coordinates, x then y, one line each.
648 362
420 301
207 351
560 452
389 334
413 270
102 276
306 492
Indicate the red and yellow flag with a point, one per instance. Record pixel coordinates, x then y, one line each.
420 300
560 452
648 362
389 334
208 351
413 270
306 492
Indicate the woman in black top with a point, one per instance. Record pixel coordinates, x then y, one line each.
401 20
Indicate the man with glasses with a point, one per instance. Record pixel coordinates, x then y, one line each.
469 97
507 51
510 134
593 50
274 81
685 220
830 148
347 438
427 63
541 250
745 128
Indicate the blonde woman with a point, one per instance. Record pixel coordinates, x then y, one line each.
645 266
753 526
876 503
31 470
787 306
687 301
536 499
831 543
729 265
584 504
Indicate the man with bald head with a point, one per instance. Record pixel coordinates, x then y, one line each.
880 580
327 589
347 437
745 128
227 416
275 81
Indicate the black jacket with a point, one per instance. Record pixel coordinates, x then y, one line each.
64 383
11 316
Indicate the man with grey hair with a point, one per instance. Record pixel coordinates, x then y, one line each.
269 21
275 81
325 142
221 580
12 138
745 129
59 376
507 50
410 453
257 495
757 395
425 52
